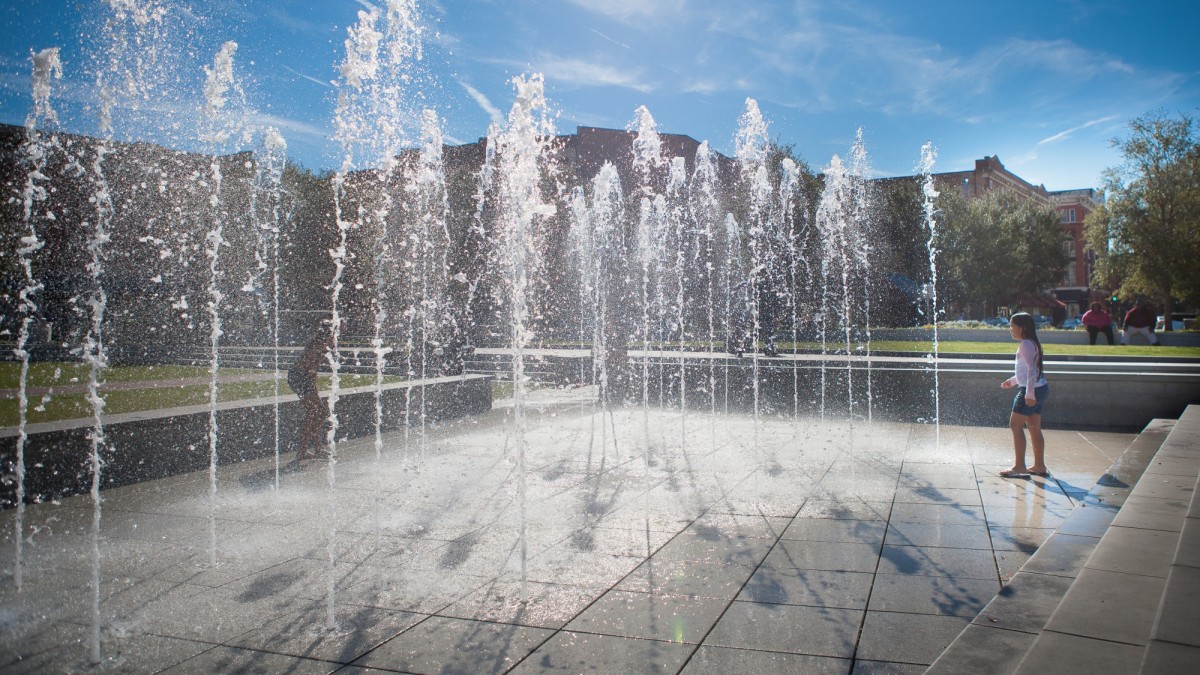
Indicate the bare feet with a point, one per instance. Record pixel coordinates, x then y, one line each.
1039 471
1014 472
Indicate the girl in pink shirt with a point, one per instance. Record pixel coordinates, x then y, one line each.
1096 321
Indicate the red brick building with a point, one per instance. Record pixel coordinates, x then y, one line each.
1073 207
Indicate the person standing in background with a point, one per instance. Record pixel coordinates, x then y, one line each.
1140 320
302 378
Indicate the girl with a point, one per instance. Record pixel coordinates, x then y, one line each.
302 378
1032 390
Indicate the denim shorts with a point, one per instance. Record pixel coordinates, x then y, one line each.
1040 393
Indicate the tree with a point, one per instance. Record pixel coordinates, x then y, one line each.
901 261
308 233
996 248
1146 236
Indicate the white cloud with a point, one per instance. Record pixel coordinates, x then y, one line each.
813 57
1061 56
483 101
589 73
295 128
1021 160
628 10
615 42
293 22
1063 135
704 87
310 78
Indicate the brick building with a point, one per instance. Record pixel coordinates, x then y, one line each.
1073 206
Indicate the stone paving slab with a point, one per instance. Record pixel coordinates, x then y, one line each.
800 545
1131 606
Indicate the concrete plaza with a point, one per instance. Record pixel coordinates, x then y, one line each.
733 545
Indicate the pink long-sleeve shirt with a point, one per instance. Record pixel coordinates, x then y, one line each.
1096 318
1025 370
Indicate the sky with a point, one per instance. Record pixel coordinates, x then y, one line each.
1045 85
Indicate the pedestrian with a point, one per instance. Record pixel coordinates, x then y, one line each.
1140 321
1030 380
1096 321
302 378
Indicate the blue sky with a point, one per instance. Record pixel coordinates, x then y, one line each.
1042 84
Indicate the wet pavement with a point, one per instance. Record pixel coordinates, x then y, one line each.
733 545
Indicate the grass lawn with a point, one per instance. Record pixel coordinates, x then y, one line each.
502 389
70 406
57 373
963 347
1010 348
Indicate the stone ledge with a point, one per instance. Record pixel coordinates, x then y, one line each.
1128 596
159 443
1121 396
1174 644
1030 600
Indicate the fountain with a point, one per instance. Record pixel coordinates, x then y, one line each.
929 194
667 265
46 65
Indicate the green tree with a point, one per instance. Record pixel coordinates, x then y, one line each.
996 248
1146 236
901 259
308 233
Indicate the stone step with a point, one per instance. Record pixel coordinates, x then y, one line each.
1000 637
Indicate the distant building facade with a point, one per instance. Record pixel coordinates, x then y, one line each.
1073 206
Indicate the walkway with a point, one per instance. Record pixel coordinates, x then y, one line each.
733 546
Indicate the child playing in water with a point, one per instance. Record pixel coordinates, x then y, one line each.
302 378
1032 390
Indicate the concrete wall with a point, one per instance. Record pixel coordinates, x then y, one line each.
153 444
1105 393
1080 398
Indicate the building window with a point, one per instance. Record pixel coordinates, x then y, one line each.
1069 249
1070 215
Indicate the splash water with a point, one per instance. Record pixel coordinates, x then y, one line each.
705 212
521 149
704 253
219 85
37 146
860 251
267 214
373 122
649 166
752 150
792 233
680 242
929 196
428 241
595 229
842 221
